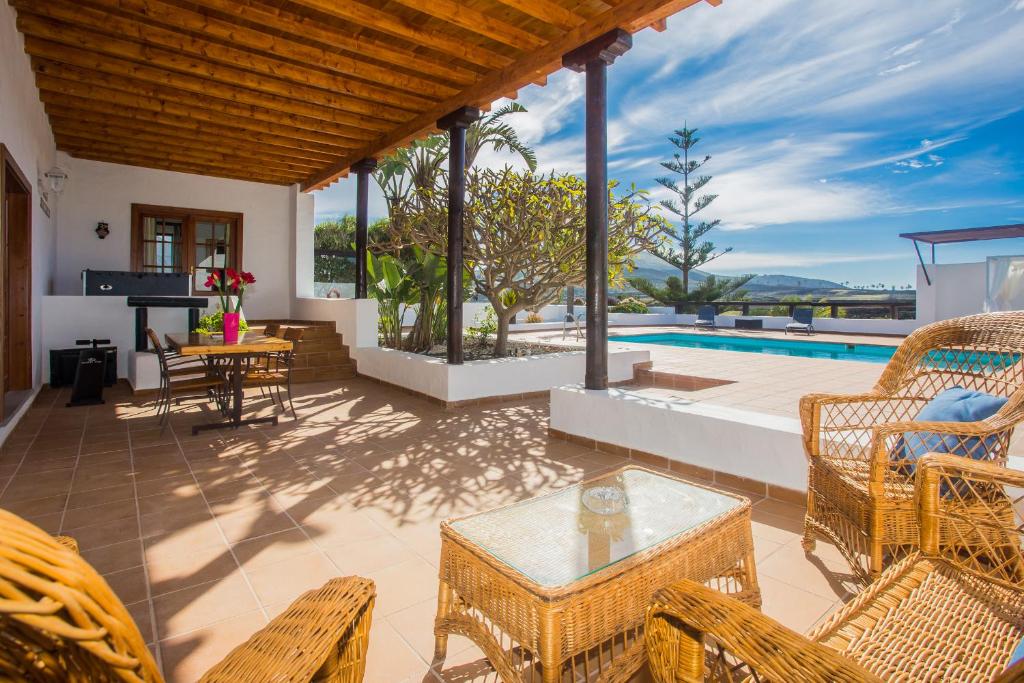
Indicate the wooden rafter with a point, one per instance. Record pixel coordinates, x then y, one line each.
291 91
491 87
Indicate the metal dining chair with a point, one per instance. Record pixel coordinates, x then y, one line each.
272 373
186 377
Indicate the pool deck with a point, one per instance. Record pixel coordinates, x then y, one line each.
764 383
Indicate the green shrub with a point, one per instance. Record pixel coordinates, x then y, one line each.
534 317
629 305
214 322
486 324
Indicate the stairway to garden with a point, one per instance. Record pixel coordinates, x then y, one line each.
321 354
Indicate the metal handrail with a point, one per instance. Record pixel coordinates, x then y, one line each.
893 307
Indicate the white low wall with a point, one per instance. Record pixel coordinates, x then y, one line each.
493 377
355 319
741 442
67 318
842 325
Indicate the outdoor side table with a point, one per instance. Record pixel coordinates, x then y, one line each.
550 585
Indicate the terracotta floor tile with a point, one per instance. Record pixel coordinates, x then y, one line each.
365 557
187 657
403 585
35 507
390 659
202 605
82 499
254 521
129 585
284 581
273 548
108 533
116 557
794 608
99 514
416 626
171 571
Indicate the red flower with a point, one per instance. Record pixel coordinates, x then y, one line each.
213 280
247 278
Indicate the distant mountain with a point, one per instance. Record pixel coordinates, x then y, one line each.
769 286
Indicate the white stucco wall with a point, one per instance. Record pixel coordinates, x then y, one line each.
956 289
98 191
26 133
765 448
494 377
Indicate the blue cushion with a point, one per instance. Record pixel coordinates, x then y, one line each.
952 405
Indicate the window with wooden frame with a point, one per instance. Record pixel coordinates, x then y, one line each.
167 239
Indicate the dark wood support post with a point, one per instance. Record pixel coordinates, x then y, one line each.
570 299
363 169
594 58
456 124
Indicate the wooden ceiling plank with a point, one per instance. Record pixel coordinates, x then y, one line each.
65 79
122 159
170 148
182 18
369 17
458 14
49 53
546 10
94 48
222 162
99 113
259 13
523 71
126 129
107 27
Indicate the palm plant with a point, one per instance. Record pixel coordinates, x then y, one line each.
492 131
413 169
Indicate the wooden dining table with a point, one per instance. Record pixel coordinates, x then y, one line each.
249 344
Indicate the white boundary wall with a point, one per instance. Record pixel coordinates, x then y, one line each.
492 377
747 444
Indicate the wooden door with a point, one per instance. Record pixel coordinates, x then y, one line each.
15 277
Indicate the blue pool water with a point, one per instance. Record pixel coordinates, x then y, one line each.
870 353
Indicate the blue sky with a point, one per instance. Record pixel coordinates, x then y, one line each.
833 126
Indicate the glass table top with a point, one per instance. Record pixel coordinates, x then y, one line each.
562 537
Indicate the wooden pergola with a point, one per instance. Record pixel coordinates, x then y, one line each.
303 91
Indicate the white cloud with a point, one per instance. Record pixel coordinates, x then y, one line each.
779 181
904 49
767 261
898 68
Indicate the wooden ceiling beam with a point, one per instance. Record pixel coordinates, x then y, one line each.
213 161
459 14
182 18
525 70
165 165
369 17
49 53
64 79
546 10
259 13
120 128
98 111
103 23
63 42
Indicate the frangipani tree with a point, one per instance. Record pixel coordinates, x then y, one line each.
525 236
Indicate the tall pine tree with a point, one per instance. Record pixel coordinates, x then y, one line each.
690 249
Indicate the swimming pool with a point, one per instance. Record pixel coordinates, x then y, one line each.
869 353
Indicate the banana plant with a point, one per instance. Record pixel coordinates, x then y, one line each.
427 272
393 289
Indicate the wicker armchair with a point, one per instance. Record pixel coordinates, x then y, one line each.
60 621
859 493
951 611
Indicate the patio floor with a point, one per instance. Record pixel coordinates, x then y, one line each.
206 538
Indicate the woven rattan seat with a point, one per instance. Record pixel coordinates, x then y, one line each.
859 494
951 611
60 621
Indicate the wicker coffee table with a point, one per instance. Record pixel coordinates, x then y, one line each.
555 588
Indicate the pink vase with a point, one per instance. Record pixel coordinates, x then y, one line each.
231 327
